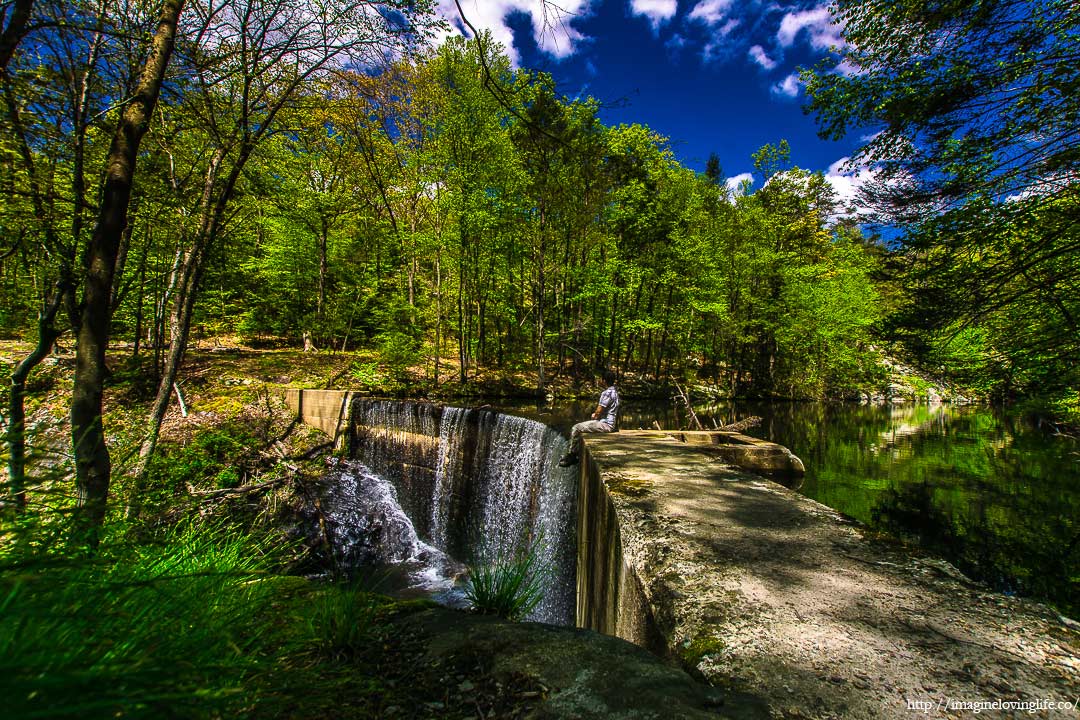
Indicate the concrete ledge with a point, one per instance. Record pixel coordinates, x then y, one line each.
761 590
749 453
327 410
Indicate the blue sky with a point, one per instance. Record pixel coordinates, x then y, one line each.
711 75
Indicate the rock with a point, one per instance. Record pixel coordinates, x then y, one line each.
562 672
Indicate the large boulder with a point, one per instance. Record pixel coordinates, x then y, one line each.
532 670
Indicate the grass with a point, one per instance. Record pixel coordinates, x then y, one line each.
197 621
191 612
342 620
168 627
510 588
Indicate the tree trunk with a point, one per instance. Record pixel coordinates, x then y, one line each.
16 431
661 352
142 291
15 30
186 275
541 350
93 466
438 315
324 272
462 360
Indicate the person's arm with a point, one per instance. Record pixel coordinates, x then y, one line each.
601 408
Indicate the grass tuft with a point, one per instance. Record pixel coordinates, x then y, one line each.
510 589
342 620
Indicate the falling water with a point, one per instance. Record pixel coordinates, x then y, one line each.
368 528
479 485
447 468
509 477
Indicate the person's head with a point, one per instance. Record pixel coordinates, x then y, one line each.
608 377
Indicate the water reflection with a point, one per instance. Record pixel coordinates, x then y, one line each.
995 495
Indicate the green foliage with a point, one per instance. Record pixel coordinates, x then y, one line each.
365 374
970 112
342 620
397 349
1067 407
215 456
169 627
509 588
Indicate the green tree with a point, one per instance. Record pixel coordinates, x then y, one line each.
249 62
971 109
479 176
712 169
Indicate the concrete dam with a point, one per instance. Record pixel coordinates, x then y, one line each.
434 486
679 543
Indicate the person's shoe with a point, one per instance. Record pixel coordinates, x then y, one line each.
568 459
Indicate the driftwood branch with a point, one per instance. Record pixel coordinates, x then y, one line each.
242 490
180 399
690 414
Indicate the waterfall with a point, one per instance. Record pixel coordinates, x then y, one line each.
511 476
447 468
477 485
368 528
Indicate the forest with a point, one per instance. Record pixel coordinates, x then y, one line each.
328 176
455 214
348 185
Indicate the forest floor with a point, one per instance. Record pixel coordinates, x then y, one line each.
771 593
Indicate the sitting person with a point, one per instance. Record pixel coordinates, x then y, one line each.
604 420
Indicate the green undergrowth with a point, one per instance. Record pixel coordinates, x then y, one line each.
195 621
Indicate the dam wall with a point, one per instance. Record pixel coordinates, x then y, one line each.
762 591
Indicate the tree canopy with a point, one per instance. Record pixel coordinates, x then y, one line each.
972 110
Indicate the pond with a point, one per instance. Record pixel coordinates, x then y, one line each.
996 495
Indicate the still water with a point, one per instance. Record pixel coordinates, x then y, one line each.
996 495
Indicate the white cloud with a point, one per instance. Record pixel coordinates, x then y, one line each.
710 12
847 181
657 11
550 23
735 183
817 23
758 55
729 26
788 87
715 49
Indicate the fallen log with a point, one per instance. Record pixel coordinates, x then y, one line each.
741 425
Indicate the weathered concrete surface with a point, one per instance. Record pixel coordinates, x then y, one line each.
327 410
553 672
749 453
762 590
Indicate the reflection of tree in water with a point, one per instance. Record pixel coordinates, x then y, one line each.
1023 552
